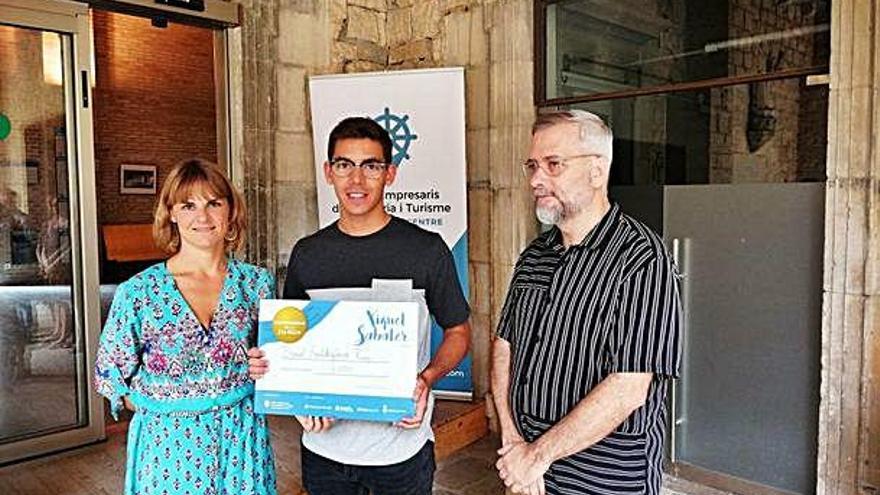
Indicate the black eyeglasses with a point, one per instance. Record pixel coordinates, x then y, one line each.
552 166
372 168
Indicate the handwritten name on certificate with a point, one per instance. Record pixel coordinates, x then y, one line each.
340 359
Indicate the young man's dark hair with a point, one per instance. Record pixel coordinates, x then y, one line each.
360 128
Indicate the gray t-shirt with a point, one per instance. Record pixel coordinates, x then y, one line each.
330 259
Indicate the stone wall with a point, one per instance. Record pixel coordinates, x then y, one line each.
849 416
253 71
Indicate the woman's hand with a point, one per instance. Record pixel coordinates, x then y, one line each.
257 366
128 404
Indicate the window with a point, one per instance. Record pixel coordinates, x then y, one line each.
761 132
592 48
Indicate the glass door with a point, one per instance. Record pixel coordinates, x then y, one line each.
48 256
747 403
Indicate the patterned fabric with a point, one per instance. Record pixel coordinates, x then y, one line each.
194 431
224 451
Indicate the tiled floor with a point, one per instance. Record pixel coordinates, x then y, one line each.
99 470
471 471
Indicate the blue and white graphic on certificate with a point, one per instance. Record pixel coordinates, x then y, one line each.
340 359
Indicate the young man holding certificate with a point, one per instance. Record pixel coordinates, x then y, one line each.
367 244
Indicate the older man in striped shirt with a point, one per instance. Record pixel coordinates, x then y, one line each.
589 336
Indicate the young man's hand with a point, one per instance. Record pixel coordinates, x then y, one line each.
420 397
315 424
257 366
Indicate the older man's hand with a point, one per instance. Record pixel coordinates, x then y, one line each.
537 488
522 468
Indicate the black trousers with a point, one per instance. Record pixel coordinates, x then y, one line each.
414 476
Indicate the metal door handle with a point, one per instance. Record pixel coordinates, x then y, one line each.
680 248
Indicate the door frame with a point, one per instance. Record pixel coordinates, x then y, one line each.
72 20
224 19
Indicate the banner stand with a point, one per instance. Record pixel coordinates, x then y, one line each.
424 113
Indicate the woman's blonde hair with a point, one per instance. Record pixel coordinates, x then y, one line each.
186 178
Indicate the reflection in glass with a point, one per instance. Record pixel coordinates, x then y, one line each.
596 46
762 132
39 387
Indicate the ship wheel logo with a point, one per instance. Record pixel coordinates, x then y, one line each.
401 135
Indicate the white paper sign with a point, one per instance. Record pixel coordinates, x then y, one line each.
341 359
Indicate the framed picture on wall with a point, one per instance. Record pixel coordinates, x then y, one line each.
137 179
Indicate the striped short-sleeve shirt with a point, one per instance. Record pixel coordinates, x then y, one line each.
574 316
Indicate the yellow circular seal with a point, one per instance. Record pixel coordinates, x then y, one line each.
289 324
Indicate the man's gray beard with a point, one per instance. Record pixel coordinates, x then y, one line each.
548 215
552 215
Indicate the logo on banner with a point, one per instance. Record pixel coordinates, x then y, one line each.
401 135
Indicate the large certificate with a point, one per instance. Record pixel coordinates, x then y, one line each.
340 359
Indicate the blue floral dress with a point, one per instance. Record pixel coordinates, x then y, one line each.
194 430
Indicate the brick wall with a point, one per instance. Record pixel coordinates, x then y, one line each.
153 104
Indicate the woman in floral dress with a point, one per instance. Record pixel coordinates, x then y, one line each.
173 349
